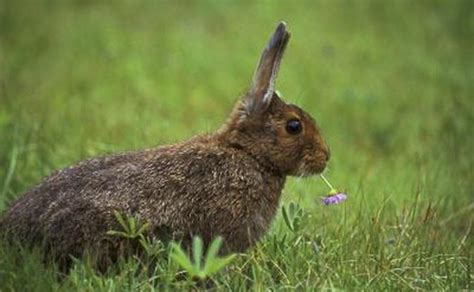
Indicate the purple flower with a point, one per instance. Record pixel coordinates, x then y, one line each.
334 199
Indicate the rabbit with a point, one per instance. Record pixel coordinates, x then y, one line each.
227 183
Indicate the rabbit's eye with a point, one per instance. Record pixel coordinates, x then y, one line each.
293 127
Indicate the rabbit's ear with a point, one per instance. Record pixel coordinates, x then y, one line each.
263 85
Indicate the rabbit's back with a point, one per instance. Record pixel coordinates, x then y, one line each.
195 188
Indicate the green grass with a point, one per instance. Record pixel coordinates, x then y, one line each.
389 82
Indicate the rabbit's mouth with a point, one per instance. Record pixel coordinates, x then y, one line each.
312 162
308 168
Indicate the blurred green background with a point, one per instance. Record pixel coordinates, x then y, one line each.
389 82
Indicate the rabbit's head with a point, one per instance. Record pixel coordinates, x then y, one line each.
277 134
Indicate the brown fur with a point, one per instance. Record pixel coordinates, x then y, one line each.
228 183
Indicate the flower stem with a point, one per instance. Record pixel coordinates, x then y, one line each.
332 189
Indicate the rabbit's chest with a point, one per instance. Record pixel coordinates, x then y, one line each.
265 207
260 222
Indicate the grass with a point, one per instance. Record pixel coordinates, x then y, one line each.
390 83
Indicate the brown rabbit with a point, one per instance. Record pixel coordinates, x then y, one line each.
227 183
